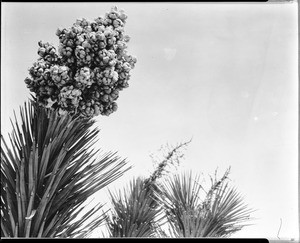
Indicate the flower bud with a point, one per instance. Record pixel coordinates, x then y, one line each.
41 51
100 36
112 15
85 44
115 94
88 29
70 43
117 23
78 22
99 21
107 89
114 106
122 16
126 67
108 33
102 45
108 21
88 58
106 81
97 110
115 77
97 94
80 39
58 32
134 59
105 98
28 80
106 59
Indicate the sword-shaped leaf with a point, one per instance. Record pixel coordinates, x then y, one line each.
49 171
221 213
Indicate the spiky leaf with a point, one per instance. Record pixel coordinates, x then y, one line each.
49 171
221 213
135 212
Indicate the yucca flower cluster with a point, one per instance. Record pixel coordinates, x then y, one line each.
90 67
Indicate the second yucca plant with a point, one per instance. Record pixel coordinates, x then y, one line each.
193 212
134 211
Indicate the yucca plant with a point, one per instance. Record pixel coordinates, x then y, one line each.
134 214
221 213
135 210
49 172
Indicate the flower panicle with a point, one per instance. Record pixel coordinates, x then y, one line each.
91 65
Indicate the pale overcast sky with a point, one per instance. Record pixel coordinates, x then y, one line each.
224 74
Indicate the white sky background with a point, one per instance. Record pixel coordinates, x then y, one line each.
224 74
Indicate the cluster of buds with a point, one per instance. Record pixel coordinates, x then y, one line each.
42 84
59 75
48 52
83 78
90 67
69 98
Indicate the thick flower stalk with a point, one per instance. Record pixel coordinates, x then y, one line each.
84 75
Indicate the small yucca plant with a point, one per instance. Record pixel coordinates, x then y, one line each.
220 214
49 172
135 211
